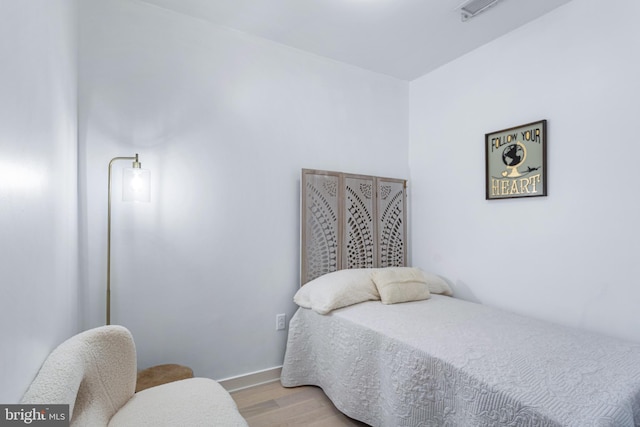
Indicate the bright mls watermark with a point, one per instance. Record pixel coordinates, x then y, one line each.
34 415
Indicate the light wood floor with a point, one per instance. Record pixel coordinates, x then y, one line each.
270 405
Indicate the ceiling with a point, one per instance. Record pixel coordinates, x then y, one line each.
401 38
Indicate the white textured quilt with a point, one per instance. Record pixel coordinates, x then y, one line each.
448 362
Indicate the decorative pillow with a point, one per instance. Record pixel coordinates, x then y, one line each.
437 285
400 284
303 297
337 289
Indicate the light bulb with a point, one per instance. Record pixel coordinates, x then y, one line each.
136 185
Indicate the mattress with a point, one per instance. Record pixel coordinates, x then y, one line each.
449 362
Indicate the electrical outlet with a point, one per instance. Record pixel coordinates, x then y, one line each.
281 320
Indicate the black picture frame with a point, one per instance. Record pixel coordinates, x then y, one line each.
516 162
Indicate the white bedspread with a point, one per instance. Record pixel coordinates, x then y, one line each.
448 362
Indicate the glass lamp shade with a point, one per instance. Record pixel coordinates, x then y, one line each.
136 185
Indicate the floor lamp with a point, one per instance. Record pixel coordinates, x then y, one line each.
135 188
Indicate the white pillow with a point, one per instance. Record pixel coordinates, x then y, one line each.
337 289
437 285
400 284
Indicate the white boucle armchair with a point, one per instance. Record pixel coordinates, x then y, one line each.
95 373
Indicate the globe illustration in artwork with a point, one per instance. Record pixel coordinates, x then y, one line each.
513 156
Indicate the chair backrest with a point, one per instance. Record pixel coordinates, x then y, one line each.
94 372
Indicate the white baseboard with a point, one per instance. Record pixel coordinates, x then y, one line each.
253 379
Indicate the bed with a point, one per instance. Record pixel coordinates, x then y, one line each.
442 361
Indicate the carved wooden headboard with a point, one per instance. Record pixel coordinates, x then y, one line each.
351 221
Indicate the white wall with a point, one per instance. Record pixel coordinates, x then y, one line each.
225 122
38 193
570 257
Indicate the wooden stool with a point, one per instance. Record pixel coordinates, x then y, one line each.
162 374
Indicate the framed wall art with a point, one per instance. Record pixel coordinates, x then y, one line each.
516 162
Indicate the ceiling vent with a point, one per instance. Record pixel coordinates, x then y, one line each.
471 8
